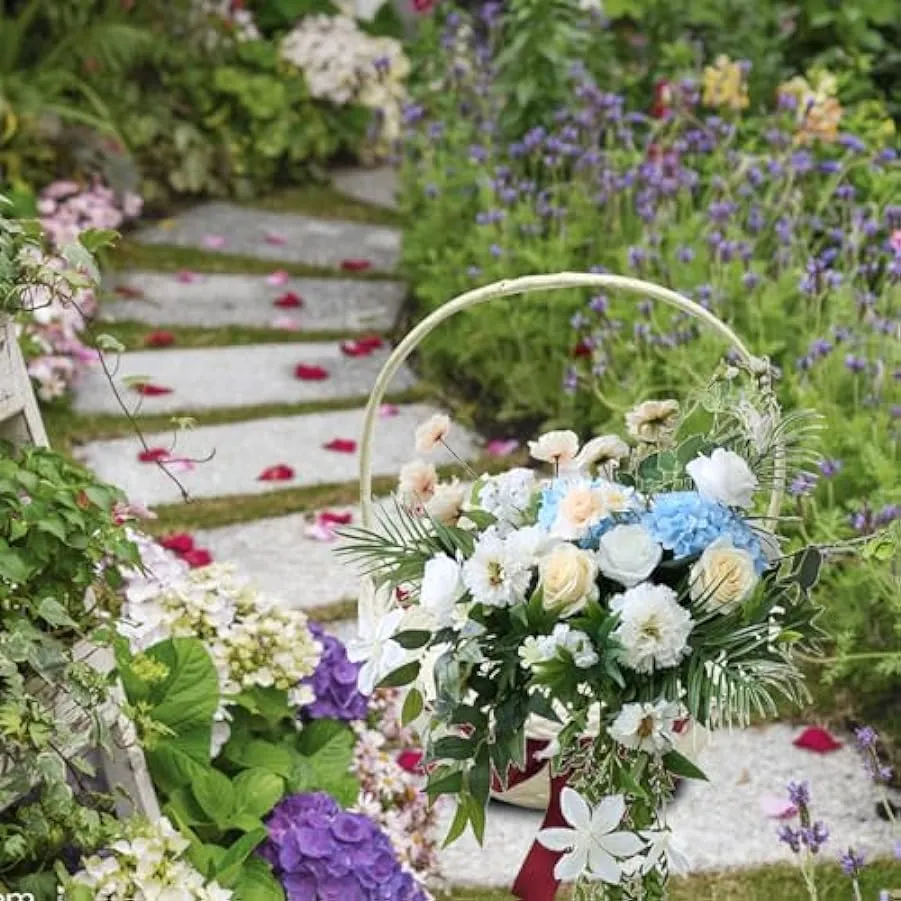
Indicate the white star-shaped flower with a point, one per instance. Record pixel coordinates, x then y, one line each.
374 644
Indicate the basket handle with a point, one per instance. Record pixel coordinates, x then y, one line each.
529 284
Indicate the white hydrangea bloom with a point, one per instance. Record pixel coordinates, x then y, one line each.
508 496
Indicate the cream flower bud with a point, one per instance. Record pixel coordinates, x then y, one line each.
432 433
568 576
723 576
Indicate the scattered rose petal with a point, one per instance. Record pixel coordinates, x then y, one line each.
356 265
154 455
388 410
401 594
816 739
186 277
310 373
319 531
88 355
178 542
501 447
197 558
213 242
361 347
179 464
159 338
341 445
128 292
336 519
777 808
286 323
148 389
278 278
275 239
288 301
322 528
278 473
410 760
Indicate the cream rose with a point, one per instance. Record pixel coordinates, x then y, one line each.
723 576
568 576
628 555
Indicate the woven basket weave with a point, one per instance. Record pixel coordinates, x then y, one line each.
534 792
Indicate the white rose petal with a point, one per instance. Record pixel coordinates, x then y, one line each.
724 477
628 555
442 587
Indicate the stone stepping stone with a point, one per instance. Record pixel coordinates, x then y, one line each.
744 766
220 378
378 186
329 304
277 556
242 451
302 239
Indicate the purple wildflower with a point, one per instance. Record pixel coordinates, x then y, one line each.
803 484
830 468
855 364
851 863
815 836
799 793
791 837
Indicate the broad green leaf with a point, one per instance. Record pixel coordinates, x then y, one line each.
681 766
190 695
458 824
228 869
402 676
413 705
256 882
413 639
257 791
453 747
261 754
214 793
54 614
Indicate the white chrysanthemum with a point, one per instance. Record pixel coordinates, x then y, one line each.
653 628
447 502
508 497
499 572
646 727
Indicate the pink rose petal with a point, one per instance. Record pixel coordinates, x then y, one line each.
388 410
179 464
816 739
154 455
286 323
777 808
501 447
288 301
318 531
341 445
356 265
336 519
310 373
410 760
148 389
186 277
278 278
198 557
178 542
213 242
275 239
281 472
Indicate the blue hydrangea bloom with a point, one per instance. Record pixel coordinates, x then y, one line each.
550 501
685 523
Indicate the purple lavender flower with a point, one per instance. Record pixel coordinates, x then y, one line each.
334 683
791 837
830 468
599 303
851 863
571 381
815 836
318 850
855 364
804 483
799 793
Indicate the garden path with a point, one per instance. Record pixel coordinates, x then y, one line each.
257 414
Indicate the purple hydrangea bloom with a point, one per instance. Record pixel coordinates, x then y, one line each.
318 850
334 683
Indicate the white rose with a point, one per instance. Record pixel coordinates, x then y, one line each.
723 576
724 476
568 578
628 555
442 587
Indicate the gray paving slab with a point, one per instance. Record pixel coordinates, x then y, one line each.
243 450
303 239
378 186
210 300
720 824
219 378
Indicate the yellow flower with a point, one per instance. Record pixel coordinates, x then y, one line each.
724 84
818 111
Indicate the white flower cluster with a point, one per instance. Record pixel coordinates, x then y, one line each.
238 23
252 639
393 798
564 638
147 865
508 497
345 65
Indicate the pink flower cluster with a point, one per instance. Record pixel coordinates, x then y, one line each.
67 208
394 799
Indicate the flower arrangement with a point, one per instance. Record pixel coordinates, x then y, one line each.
321 851
343 64
146 864
632 589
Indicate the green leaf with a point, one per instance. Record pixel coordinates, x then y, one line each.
477 818
214 793
412 639
190 695
458 824
270 703
402 676
453 747
257 791
444 782
54 614
480 777
807 568
182 807
413 704
261 754
228 869
174 764
681 766
256 882
94 239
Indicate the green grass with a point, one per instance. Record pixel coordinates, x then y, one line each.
772 883
133 335
130 254
66 428
326 203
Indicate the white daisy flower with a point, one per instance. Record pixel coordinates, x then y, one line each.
646 727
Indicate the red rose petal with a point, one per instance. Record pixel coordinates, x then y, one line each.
178 542
160 338
278 473
581 350
818 740
361 347
410 760
186 277
148 389
288 301
356 265
274 239
336 519
278 278
128 292
310 373
154 455
199 557
341 445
